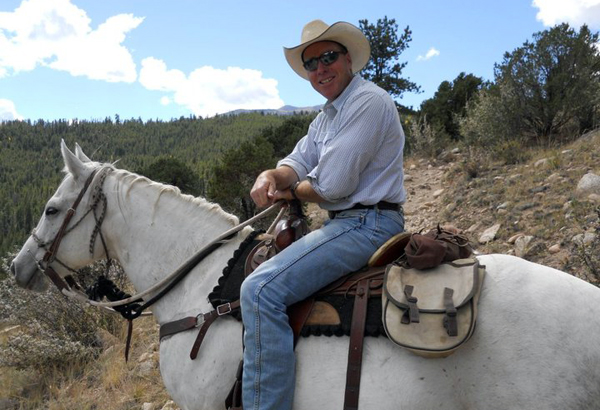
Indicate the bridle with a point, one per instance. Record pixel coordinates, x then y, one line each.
99 199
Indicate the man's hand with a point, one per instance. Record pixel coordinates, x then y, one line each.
263 191
273 185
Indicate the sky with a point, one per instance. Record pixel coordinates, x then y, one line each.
157 59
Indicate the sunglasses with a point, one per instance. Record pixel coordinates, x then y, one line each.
327 58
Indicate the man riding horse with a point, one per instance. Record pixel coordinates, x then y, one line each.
351 164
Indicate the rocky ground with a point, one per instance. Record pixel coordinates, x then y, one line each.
537 209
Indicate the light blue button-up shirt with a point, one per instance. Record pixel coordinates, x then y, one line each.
353 152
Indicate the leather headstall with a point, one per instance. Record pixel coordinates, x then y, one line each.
50 254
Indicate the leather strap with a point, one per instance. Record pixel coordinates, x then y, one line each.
450 322
191 322
357 332
234 398
128 342
177 326
412 314
297 315
50 254
209 318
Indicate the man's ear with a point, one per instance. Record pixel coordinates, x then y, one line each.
349 60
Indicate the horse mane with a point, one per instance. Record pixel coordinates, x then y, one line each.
133 180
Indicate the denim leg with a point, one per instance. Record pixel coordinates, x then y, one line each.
342 245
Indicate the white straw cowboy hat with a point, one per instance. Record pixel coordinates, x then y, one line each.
341 32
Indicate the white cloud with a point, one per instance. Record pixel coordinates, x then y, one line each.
574 12
8 112
430 54
57 34
207 91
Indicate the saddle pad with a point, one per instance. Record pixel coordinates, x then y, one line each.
432 312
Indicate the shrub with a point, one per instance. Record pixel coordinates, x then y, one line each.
53 331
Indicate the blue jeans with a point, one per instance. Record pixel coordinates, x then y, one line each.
343 245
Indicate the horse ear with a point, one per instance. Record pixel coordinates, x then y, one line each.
73 164
79 153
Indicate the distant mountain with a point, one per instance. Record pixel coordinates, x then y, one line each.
285 110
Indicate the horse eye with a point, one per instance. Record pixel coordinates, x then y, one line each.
51 211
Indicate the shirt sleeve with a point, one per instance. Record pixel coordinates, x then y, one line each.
304 157
357 139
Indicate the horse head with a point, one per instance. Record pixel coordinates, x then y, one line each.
61 239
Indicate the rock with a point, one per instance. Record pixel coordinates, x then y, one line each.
503 205
451 207
145 368
554 248
489 234
514 238
541 162
407 178
502 211
589 184
148 406
524 207
473 228
413 166
455 151
438 193
584 238
553 177
594 198
539 189
567 205
522 245
170 405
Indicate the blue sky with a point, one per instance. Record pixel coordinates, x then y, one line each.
157 59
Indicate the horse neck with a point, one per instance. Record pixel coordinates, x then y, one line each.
154 229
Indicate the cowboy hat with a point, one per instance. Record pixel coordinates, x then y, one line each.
341 32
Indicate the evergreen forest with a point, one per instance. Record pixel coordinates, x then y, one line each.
189 149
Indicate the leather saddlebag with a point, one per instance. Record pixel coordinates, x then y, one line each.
432 312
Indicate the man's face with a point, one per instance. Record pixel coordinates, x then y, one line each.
329 80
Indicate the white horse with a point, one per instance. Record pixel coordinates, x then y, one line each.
537 343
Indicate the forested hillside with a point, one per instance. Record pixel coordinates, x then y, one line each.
30 160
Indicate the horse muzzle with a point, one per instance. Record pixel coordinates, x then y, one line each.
25 270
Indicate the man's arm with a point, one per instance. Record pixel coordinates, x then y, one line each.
274 184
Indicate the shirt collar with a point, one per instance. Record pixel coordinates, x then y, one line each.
331 108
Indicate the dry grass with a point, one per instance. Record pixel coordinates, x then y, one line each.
107 382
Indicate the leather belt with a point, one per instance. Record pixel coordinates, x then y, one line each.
379 205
